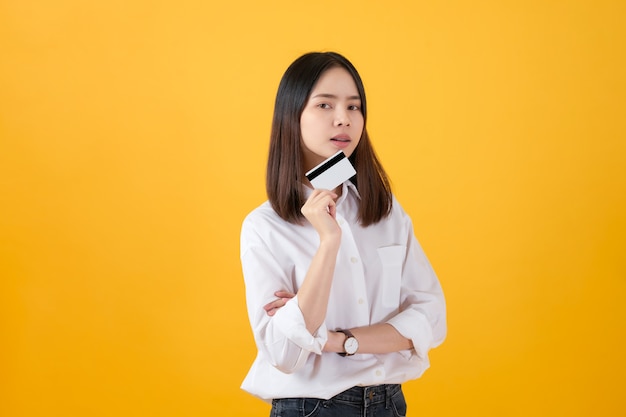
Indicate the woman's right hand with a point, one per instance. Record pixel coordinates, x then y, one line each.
283 296
320 211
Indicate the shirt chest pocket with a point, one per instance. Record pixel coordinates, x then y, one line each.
392 259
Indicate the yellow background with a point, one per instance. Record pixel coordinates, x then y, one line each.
133 142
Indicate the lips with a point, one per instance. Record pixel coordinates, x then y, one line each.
341 138
341 141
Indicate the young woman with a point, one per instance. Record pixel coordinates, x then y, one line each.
343 303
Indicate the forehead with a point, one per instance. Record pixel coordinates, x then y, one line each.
336 80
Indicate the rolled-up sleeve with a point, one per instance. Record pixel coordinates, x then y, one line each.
282 338
422 316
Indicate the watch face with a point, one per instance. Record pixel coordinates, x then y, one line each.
351 345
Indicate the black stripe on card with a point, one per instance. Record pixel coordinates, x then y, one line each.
319 170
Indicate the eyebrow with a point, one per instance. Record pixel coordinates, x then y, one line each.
325 95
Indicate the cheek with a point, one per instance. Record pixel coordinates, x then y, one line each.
309 125
360 125
305 121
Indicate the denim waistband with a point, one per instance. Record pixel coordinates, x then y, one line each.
374 394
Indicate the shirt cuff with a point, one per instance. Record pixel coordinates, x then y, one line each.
290 319
414 326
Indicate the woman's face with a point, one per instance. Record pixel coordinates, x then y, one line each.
332 118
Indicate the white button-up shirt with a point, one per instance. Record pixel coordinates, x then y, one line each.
381 276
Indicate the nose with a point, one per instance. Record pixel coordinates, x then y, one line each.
342 118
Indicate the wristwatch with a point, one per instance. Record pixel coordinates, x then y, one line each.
350 345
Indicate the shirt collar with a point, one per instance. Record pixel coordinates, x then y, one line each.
348 186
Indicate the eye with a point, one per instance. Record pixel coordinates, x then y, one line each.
324 106
354 107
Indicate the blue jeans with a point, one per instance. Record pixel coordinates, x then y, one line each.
378 401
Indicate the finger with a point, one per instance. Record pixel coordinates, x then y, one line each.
275 304
332 208
269 306
284 294
318 195
327 197
321 204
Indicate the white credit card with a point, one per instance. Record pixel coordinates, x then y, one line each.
331 173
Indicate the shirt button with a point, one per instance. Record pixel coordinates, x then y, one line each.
378 373
354 260
361 301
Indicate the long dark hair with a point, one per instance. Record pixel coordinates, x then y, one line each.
285 174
